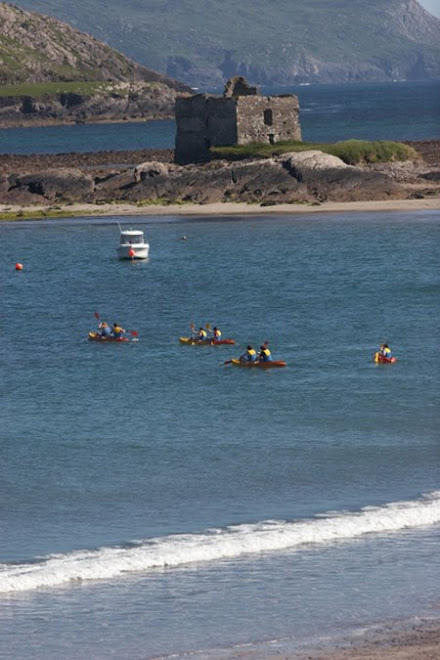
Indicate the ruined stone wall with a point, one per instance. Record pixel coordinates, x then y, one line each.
267 119
191 134
222 121
205 121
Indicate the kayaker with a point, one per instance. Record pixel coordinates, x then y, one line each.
385 351
201 335
117 331
249 356
216 334
104 329
264 355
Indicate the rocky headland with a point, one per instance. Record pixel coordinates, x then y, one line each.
150 177
51 73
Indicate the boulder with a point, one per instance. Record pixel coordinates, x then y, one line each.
64 184
302 163
149 170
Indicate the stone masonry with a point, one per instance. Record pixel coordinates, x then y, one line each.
240 116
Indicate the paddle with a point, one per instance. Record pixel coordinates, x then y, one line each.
227 362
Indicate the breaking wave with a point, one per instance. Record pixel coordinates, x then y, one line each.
217 544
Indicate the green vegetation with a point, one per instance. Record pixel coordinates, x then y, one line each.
162 201
39 213
36 90
352 152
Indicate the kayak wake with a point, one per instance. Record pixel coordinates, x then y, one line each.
217 544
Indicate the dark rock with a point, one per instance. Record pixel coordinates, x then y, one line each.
312 178
68 185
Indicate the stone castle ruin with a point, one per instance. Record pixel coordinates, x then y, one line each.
240 116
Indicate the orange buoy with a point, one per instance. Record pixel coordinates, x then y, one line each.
18 266
131 253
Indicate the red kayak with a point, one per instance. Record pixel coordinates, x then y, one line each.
381 359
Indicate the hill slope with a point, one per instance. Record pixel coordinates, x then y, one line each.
50 73
36 48
276 42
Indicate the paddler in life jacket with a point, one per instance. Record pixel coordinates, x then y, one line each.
117 331
385 351
264 355
249 356
201 335
104 329
216 334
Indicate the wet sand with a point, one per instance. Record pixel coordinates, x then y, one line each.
416 640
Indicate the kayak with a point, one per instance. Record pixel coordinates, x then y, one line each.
205 342
95 336
262 365
381 359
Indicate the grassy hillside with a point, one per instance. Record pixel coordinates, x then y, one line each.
38 49
281 41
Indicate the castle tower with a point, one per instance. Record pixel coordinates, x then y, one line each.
240 116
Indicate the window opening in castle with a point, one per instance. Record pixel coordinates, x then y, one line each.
268 117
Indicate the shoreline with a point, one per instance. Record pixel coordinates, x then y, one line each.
21 212
418 639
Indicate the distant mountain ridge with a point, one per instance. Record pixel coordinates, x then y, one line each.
276 42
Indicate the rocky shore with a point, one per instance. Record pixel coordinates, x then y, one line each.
150 177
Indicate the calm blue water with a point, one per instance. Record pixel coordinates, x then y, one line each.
155 501
374 111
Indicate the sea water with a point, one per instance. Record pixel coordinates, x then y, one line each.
156 500
328 113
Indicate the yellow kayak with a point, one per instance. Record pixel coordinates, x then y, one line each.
262 365
205 342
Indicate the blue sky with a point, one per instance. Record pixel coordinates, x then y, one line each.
433 6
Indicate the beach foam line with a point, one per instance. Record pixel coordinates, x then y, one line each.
217 544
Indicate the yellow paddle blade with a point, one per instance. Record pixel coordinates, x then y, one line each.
208 326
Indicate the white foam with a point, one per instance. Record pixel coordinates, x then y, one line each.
217 544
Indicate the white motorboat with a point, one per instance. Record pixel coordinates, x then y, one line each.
132 245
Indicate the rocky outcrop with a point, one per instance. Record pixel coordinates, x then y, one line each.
114 102
48 186
308 177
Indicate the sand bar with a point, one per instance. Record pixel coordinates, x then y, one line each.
218 209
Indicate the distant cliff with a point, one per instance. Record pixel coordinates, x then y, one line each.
278 42
50 72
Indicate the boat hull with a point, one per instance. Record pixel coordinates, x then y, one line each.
140 252
381 359
206 342
261 365
95 336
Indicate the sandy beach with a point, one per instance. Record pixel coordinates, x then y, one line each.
228 208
